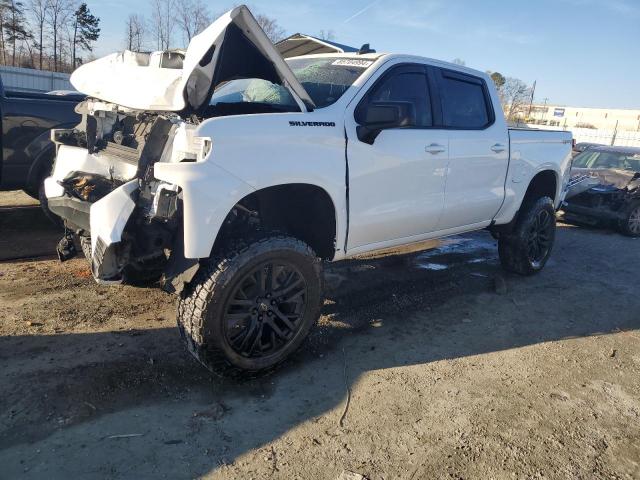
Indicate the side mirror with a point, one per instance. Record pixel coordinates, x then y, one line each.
378 116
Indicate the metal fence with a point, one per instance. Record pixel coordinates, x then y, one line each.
30 80
622 138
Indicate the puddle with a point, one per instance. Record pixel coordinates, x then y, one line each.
432 266
474 250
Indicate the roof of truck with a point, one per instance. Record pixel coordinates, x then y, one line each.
365 56
389 56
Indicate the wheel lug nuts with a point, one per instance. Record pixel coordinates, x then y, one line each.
273 302
270 313
268 295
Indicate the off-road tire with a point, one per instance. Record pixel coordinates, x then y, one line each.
513 248
627 225
202 304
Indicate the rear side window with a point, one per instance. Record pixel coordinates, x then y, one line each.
464 101
409 87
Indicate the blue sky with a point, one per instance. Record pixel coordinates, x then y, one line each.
581 52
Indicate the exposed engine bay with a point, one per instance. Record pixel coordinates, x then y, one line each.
119 149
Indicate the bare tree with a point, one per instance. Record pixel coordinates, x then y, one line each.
57 16
514 95
135 32
38 11
327 35
271 27
162 22
192 17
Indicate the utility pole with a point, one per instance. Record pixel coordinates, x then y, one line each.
615 134
533 91
544 110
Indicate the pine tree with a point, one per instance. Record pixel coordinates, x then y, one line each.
15 26
85 31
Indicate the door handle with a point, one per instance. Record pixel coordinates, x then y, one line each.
498 147
434 148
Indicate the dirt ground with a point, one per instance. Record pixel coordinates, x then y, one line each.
424 365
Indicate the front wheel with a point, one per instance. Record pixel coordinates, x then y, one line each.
630 225
528 247
253 307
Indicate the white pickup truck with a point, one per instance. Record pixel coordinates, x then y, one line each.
228 175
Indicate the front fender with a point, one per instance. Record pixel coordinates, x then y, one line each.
208 193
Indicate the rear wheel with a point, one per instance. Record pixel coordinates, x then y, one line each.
528 247
252 308
630 225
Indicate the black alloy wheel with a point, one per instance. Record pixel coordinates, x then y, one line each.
264 312
540 239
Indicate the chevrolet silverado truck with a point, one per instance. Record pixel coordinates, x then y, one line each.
228 175
27 150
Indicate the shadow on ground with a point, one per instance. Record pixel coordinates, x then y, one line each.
73 392
27 233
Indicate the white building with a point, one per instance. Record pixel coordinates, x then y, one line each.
620 120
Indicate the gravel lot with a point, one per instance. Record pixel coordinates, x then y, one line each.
424 365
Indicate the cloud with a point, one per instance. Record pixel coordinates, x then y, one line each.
361 11
622 7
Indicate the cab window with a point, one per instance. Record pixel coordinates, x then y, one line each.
465 101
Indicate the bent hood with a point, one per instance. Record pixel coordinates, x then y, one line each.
232 47
583 179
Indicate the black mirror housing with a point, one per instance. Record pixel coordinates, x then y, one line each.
378 116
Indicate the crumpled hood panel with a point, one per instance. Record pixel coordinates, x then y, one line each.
610 177
145 82
583 179
122 79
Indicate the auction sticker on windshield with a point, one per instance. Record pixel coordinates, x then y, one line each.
352 62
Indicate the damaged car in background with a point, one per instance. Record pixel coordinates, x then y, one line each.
230 175
605 188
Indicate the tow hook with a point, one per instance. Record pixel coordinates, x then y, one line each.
66 248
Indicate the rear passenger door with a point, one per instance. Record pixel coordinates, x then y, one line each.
478 150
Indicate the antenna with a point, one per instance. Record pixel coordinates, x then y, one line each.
365 49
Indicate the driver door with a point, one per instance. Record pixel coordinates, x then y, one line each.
397 182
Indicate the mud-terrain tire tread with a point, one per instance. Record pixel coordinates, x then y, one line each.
512 247
208 286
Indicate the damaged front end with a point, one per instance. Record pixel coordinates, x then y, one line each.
601 195
143 111
104 188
